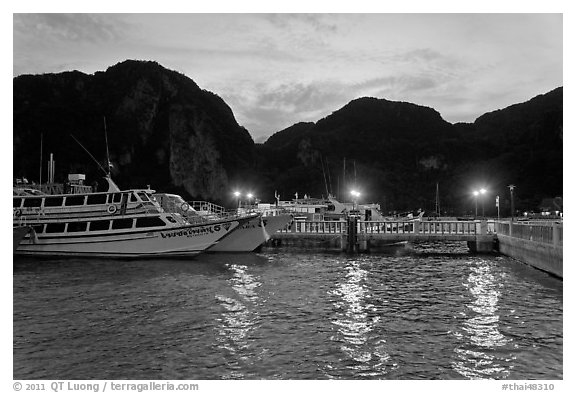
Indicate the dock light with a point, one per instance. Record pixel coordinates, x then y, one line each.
476 193
482 192
237 195
355 196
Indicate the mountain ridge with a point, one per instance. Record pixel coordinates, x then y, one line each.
166 131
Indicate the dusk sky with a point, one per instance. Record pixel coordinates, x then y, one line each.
275 70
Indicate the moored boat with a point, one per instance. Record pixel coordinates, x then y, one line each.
135 236
115 223
248 237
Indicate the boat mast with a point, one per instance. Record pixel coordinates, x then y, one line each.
437 200
344 179
91 156
41 143
107 153
324 174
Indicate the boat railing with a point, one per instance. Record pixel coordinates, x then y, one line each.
205 207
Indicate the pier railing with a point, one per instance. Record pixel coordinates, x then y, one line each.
388 227
549 233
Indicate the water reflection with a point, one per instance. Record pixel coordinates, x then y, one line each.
238 320
356 318
478 356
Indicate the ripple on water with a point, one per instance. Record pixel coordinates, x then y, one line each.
428 312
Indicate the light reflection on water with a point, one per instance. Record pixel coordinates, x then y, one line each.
355 318
481 328
238 319
288 315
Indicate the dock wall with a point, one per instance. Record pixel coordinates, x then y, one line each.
535 244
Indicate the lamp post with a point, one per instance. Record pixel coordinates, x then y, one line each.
355 196
482 192
237 195
511 187
498 206
476 193
249 196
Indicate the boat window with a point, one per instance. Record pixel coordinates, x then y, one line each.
55 227
123 223
133 198
77 226
38 228
116 198
53 201
171 219
96 199
143 196
17 202
32 202
155 221
100 225
76 200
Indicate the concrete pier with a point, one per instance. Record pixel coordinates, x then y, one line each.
373 236
536 244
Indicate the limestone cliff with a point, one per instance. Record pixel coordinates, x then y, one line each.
162 129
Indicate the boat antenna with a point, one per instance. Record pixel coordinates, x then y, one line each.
329 178
354 173
344 176
324 173
41 143
437 200
91 156
107 153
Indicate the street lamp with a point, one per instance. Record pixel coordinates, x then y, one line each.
355 196
476 193
237 195
249 196
482 192
511 187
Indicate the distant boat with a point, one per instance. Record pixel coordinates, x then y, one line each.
330 209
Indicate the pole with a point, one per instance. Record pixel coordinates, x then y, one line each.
41 143
511 187
476 204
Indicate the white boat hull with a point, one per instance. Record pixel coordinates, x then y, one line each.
251 235
175 242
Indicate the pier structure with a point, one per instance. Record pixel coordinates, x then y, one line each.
365 236
538 244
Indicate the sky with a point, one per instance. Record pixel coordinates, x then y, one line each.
275 70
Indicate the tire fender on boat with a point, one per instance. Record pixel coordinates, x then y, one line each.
112 209
185 206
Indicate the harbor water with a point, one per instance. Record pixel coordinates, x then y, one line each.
429 311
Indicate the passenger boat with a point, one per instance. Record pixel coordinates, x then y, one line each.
125 224
248 237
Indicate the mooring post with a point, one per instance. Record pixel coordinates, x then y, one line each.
352 234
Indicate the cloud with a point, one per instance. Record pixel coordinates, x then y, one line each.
83 28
